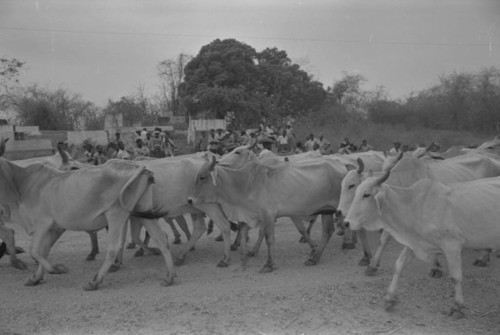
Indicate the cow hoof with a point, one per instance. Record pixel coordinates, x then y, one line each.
167 282
370 271
311 262
436 273
364 261
389 304
33 282
480 263
19 264
266 269
302 240
179 261
251 254
348 245
90 286
114 268
456 313
219 238
222 264
340 232
90 257
59 269
177 240
131 245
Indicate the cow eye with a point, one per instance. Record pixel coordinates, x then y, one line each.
366 195
203 178
350 187
237 152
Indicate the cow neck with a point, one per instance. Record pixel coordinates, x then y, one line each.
395 204
246 177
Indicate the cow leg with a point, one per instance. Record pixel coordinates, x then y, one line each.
7 235
483 259
403 260
385 237
177 235
453 253
349 238
160 238
95 246
135 232
181 221
367 254
117 224
326 233
198 230
303 231
244 228
224 226
437 269
42 242
258 243
237 240
269 235
312 220
132 244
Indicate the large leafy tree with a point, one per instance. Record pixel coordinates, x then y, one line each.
230 76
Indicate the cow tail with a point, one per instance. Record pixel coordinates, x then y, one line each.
129 203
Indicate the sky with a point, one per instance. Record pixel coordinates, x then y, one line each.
108 49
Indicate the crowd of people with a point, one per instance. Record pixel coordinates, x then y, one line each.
156 143
281 141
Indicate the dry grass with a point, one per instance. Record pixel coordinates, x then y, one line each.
382 136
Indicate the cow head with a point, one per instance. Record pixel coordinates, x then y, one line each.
367 204
68 163
348 186
238 157
206 180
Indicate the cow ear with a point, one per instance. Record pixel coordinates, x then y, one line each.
350 167
213 174
379 201
361 165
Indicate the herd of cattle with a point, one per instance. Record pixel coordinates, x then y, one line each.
431 204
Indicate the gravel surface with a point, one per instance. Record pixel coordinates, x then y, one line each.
333 297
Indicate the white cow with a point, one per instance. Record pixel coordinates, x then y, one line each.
407 171
258 193
430 218
46 202
174 181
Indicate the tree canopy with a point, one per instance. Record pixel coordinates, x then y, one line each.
231 76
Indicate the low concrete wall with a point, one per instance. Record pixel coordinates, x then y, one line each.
97 136
15 150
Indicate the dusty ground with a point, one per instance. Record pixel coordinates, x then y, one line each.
333 297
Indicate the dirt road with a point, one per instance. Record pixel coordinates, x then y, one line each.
333 297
